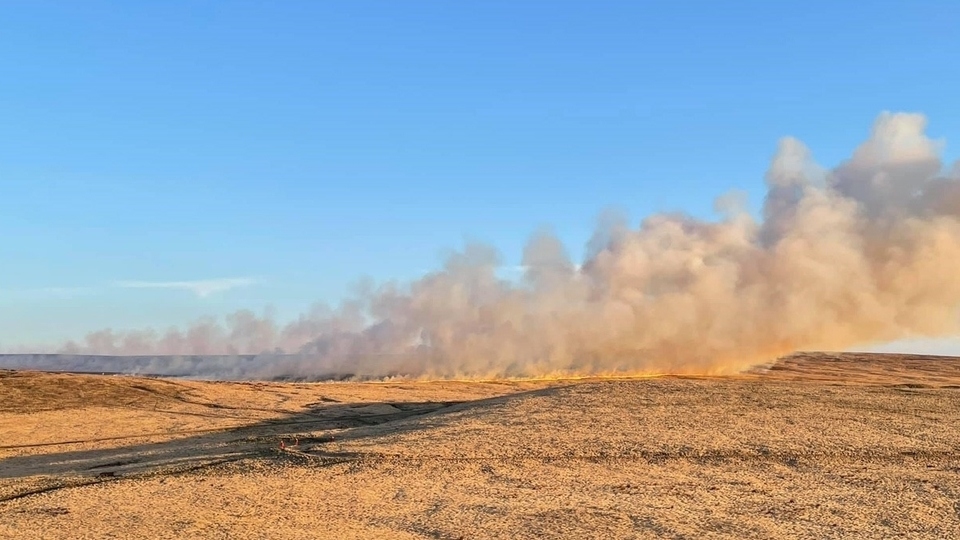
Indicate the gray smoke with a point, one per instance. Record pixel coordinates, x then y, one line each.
860 254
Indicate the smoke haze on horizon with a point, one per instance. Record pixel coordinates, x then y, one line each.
858 255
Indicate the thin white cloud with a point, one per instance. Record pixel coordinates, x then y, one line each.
202 288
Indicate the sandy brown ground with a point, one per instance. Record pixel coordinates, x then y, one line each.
818 446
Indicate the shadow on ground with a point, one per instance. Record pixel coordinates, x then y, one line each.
296 436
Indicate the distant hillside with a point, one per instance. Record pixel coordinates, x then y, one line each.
223 367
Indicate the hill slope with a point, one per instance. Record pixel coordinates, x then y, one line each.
815 446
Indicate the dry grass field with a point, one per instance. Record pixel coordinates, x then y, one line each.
815 446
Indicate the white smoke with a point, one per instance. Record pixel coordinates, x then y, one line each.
864 253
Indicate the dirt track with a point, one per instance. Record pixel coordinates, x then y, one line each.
818 446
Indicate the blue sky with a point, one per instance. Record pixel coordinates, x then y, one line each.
294 147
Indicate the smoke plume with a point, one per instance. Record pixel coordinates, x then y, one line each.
864 253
